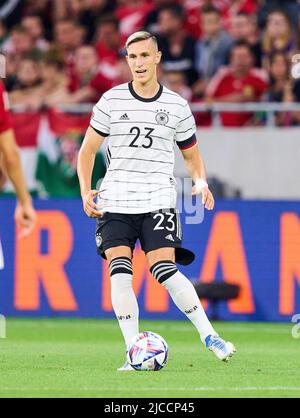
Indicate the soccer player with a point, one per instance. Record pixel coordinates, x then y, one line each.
24 214
137 198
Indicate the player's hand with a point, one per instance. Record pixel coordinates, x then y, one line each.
90 207
207 197
25 217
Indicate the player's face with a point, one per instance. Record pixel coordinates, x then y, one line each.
143 59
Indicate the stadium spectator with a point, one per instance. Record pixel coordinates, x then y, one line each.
278 36
176 81
4 37
151 20
34 26
240 82
212 51
291 7
193 17
86 82
27 81
93 10
108 45
281 86
177 46
44 9
68 8
48 87
131 15
192 22
21 43
231 8
69 22
54 82
68 36
244 27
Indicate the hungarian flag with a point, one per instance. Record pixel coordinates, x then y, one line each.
26 127
49 144
59 141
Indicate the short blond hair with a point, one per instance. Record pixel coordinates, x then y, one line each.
140 36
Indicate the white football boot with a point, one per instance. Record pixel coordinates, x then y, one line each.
126 368
222 349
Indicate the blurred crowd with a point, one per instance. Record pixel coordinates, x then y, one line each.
232 51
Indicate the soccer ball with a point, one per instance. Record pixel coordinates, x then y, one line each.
147 352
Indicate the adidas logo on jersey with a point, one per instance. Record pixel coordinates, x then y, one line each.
124 117
170 238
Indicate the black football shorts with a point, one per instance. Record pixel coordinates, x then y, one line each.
154 230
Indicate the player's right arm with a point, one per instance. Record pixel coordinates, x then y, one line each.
86 160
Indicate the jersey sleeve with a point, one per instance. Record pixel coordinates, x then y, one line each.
5 117
186 130
100 120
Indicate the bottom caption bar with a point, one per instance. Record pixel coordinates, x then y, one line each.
144 407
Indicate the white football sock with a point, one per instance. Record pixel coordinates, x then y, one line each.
123 298
184 296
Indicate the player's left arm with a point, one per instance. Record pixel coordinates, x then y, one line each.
196 169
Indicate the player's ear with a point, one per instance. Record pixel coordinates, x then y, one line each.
158 57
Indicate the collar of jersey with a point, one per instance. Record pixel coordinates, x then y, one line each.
143 99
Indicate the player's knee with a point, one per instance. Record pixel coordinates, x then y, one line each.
155 256
120 265
163 270
117 252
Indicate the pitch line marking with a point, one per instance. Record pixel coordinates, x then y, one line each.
200 389
173 327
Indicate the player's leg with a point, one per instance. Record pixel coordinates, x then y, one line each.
163 268
184 295
116 237
160 235
123 298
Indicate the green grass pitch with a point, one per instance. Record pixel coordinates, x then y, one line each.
79 358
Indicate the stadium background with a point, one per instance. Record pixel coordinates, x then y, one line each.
61 56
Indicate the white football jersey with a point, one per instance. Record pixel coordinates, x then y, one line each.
140 156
